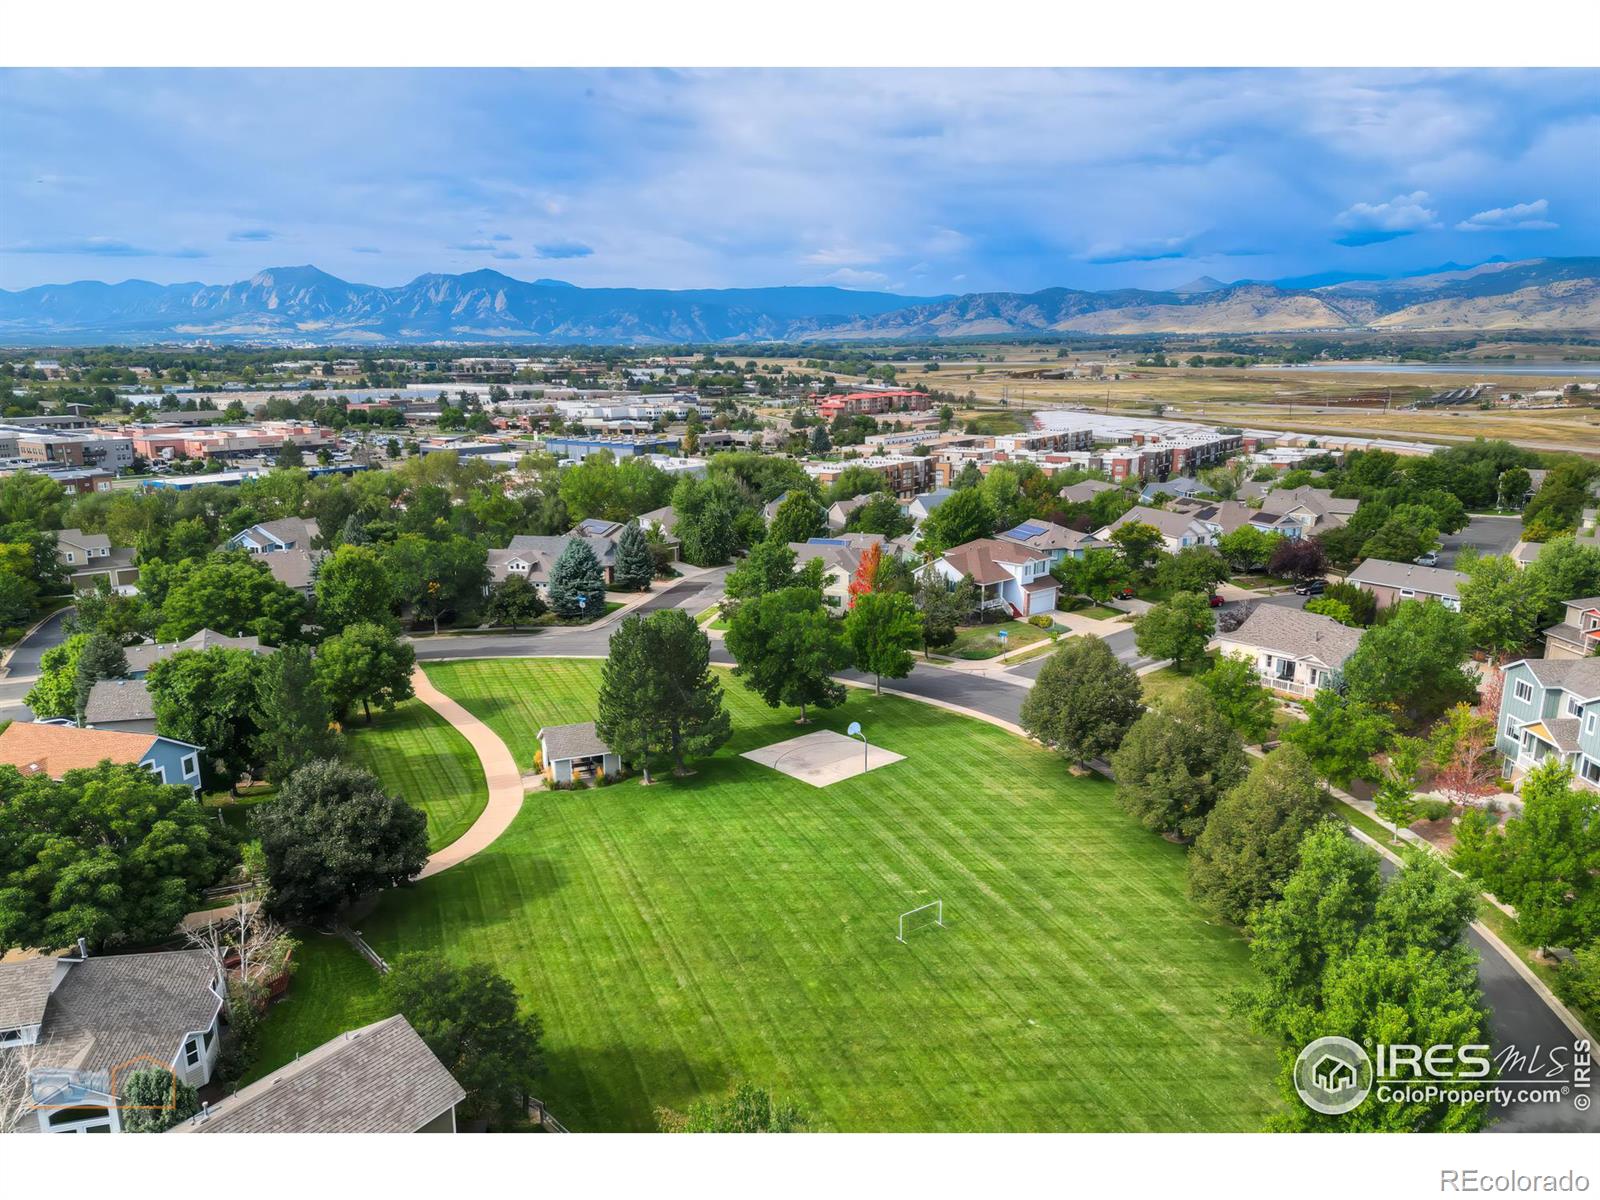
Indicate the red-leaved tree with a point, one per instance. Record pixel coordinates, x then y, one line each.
866 576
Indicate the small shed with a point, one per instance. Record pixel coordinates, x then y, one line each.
575 752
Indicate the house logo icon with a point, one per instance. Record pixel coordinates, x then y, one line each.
1333 1075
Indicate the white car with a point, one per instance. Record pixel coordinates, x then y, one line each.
1429 559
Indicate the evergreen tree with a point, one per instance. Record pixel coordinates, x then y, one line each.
101 658
577 582
628 714
636 567
292 714
692 714
821 443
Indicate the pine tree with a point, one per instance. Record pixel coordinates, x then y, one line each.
635 565
691 696
102 658
292 714
577 584
628 714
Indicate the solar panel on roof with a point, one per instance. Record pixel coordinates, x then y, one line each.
826 542
1026 530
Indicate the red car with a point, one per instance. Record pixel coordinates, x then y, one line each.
1217 601
1123 594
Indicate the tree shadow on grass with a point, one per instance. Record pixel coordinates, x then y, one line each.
616 1089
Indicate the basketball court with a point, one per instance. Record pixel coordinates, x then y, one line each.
822 757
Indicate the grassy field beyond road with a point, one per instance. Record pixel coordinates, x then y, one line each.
740 925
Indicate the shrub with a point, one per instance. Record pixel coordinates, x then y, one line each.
1040 622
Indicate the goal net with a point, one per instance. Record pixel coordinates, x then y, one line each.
920 918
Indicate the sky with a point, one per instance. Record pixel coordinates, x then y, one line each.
920 182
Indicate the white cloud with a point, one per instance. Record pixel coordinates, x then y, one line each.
1403 214
851 277
1533 215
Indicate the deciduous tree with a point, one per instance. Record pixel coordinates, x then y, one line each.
1175 764
332 835
1412 664
1236 690
1084 701
366 665
514 602
788 649
883 629
1179 629
1341 736
353 587
209 698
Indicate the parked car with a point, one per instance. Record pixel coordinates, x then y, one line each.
1217 601
1311 587
1429 559
1125 593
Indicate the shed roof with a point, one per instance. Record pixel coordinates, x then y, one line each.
560 742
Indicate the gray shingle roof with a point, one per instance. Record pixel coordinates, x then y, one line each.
143 657
1294 632
1578 675
118 700
1434 581
571 741
381 1078
1563 732
112 1009
24 991
294 568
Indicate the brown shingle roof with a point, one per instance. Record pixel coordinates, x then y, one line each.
24 991
118 700
981 558
54 750
381 1078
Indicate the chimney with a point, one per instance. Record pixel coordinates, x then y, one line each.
83 948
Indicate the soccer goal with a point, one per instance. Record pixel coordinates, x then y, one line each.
919 920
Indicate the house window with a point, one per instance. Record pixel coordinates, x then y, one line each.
1523 691
69 557
1407 594
157 770
8 1036
1590 770
1588 725
191 764
191 1052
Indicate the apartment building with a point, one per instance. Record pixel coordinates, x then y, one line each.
903 475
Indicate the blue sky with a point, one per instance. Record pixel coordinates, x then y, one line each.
911 181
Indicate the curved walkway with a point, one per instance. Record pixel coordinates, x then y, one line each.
499 772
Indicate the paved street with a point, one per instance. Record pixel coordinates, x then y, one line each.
1487 535
23 667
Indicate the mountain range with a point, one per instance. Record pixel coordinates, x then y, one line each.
304 304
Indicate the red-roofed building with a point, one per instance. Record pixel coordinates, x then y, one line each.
868 403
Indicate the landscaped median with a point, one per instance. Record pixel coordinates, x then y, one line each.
739 924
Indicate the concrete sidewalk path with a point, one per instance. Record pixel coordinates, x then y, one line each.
499 771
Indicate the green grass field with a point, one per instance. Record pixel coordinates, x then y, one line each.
983 641
739 925
417 755
333 990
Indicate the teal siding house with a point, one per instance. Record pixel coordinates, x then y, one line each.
1550 707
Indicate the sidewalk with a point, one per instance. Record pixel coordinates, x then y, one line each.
499 770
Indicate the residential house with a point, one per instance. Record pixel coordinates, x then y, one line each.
920 505
1313 510
839 511
840 557
1292 650
1578 635
573 752
1392 582
596 527
287 550
120 706
381 1078
1009 575
1180 487
1082 493
1550 707
90 557
532 557
274 537
1178 530
1057 541
84 1024
140 658
41 748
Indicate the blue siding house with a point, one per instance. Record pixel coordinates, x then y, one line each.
1551 707
44 748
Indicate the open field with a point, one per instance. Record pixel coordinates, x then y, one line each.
419 756
739 925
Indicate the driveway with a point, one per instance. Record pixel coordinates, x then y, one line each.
1486 535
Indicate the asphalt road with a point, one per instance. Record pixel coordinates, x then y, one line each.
23 668
1487 535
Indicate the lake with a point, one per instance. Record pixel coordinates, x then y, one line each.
1479 370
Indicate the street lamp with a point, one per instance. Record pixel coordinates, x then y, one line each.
855 731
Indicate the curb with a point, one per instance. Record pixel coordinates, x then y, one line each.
5 659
